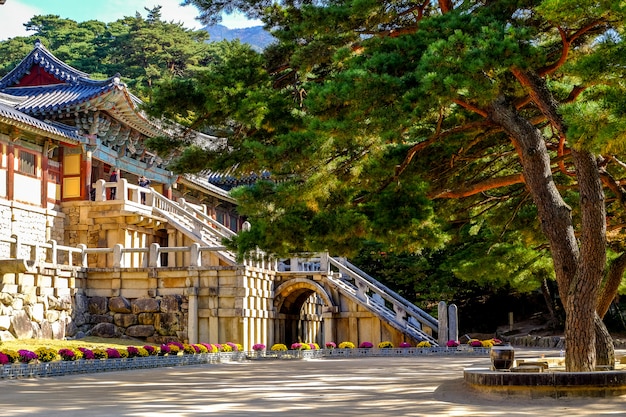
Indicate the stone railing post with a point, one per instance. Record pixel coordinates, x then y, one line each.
83 255
453 323
15 246
118 256
154 256
52 252
195 259
442 331
101 191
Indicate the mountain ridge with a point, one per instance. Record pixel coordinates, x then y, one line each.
255 36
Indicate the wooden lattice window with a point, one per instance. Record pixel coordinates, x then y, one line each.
27 163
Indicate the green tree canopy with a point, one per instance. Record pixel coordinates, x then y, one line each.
408 119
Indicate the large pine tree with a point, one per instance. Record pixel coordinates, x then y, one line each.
391 120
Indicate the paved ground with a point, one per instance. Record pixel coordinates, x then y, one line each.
371 387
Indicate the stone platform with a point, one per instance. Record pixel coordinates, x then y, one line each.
530 379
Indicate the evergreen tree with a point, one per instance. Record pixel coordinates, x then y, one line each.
509 107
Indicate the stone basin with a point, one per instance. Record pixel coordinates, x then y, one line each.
546 377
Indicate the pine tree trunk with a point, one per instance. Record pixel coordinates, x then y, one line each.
605 348
578 272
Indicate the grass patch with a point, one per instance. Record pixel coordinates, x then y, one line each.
86 342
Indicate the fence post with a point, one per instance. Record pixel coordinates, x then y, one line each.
15 246
154 255
194 255
442 331
83 255
118 256
52 253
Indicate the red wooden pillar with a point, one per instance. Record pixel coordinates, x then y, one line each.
44 175
10 170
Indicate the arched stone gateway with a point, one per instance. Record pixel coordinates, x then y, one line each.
301 305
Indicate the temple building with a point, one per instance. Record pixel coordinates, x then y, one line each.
86 249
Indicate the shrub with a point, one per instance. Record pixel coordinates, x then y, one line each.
385 345
151 349
142 352
100 353
330 345
26 356
278 346
258 346
296 346
366 345
87 353
189 350
123 352
234 346
45 354
200 348
133 352
424 344
452 343
164 349
346 345
404 345
314 346
12 355
4 359
227 348
113 353
67 354
174 349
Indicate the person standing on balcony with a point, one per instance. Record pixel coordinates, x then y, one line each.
144 182
114 177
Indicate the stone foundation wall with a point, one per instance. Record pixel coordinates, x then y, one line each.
36 303
155 320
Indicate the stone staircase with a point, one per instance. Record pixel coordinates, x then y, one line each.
349 280
193 223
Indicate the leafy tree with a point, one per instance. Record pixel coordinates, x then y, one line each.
508 107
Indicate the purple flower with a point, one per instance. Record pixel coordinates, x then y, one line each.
113 353
233 345
258 346
452 343
87 353
331 345
180 345
26 356
4 359
165 349
67 354
296 346
133 352
366 345
404 345
151 349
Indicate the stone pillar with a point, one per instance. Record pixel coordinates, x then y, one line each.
192 322
453 322
443 323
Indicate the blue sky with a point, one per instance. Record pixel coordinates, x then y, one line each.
14 13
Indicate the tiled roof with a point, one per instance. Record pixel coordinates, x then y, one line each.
40 100
52 65
62 132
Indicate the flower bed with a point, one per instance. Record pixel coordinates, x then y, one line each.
23 364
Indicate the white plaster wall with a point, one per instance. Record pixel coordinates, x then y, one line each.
27 189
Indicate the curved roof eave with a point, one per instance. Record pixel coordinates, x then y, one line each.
55 131
51 64
195 181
